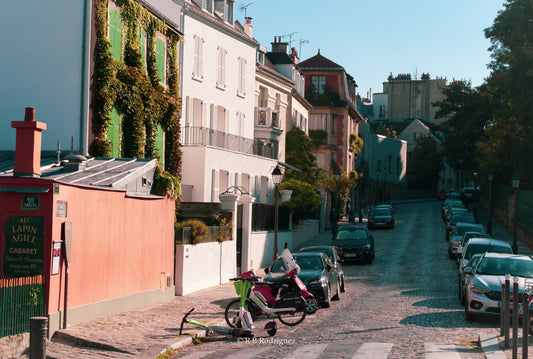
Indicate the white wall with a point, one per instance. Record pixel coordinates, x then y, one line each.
40 66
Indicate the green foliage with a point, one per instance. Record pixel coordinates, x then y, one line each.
166 184
304 198
318 137
299 154
467 115
142 102
356 143
425 163
197 234
382 129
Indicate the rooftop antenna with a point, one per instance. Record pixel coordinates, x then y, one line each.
245 7
302 42
290 36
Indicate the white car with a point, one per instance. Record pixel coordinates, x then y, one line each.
466 237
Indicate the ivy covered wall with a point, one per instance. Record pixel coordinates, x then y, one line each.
133 101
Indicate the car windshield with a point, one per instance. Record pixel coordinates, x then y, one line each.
473 261
309 262
461 229
503 266
326 251
352 234
382 212
482 248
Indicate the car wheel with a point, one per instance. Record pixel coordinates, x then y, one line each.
342 285
327 299
338 292
311 305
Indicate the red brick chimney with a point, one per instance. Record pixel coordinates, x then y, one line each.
28 148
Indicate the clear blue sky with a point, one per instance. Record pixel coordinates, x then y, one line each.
373 38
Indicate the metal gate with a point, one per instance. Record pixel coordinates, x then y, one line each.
20 299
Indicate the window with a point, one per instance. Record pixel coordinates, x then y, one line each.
115 31
416 136
221 68
263 97
161 57
198 57
381 111
317 122
333 123
242 77
219 8
197 113
398 165
229 7
390 164
319 82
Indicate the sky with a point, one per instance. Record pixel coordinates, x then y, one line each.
373 38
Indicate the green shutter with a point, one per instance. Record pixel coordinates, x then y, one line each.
160 59
115 33
160 142
143 46
113 132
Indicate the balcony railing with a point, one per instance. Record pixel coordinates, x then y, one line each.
207 137
268 117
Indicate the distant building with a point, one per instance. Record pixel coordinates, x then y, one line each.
409 99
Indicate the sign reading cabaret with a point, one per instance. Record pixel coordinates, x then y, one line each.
23 255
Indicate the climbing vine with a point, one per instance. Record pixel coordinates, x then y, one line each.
135 91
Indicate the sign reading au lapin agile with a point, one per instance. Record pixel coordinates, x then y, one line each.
23 255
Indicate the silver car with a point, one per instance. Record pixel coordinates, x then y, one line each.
483 289
456 235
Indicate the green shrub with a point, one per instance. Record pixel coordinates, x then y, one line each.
197 234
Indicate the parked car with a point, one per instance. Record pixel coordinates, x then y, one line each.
478 246
483 288
355 243
333 255
469 194
381 216
466 237
455 211
317 273
463 277
458 218
448 204
457 235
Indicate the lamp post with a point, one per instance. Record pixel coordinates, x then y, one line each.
361 176
337 176
378 172
489 221
277 177
475 195
515 180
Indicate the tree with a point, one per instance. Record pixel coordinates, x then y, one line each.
508 146
467 115
425 164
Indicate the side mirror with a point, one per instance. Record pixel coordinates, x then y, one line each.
468 270
267 270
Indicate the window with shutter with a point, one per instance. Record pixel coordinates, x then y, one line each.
160 56
113 132
115 32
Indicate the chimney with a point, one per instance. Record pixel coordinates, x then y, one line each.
248 27
278 46
28 147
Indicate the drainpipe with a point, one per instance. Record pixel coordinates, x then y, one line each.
84 93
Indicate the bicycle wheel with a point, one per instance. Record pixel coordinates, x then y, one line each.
293 318
231 314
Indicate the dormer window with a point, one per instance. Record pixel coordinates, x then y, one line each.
224 10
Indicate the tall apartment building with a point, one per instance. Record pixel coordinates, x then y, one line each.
413 98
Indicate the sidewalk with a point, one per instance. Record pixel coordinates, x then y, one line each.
147 332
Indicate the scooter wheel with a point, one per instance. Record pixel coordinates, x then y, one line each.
271 328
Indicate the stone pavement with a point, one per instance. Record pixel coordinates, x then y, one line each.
147 332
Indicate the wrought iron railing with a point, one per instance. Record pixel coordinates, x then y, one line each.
209 137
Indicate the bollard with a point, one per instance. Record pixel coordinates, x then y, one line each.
525 326
38 334
515 317
505 312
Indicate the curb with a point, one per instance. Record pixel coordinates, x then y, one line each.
491 346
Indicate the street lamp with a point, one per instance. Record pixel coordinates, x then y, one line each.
515 180
489 222
361 176
378 172
277 177
475 195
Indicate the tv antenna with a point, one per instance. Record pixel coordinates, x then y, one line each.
290 36
245 7
301 43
